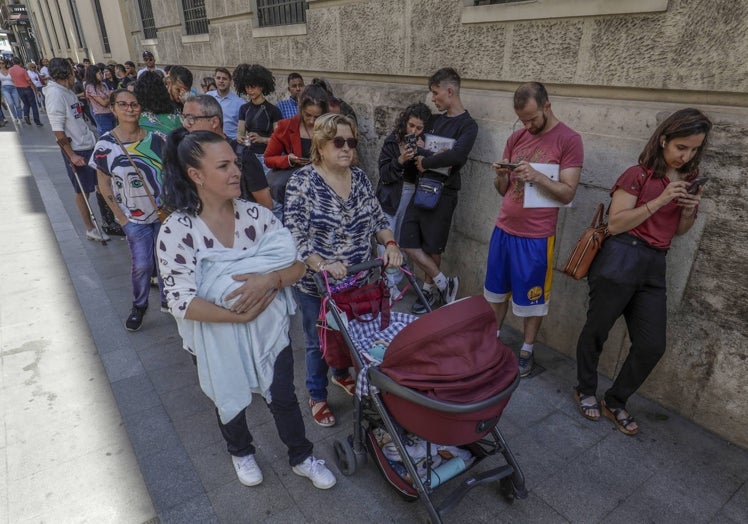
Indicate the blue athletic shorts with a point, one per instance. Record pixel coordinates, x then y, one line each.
86 174
520 268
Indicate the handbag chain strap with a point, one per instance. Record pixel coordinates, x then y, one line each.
140 175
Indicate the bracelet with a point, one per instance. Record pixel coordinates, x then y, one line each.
647 206
390 242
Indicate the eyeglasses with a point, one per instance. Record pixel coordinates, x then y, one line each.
124 105
339 142
191 119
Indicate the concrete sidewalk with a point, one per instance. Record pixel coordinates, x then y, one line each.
576 470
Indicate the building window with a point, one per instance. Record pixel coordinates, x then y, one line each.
102 27
74 16
62 21
146 16
195 19
281 12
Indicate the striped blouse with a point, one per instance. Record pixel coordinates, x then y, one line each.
322 222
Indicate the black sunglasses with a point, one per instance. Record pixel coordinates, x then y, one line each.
339 142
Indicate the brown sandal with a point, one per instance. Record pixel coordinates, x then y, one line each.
621 423
585 409
321 413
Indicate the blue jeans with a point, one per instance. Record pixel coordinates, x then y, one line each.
316 367
286 413
29 103
105 122
142 241
14 101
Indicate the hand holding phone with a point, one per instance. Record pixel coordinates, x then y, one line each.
507 165
696 183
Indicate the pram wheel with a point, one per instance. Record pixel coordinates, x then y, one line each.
344 456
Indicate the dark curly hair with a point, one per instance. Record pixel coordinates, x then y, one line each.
152 94
418 110
246 75
184 150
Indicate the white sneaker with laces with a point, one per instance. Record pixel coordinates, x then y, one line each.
450 293
316 471
247 470
93 234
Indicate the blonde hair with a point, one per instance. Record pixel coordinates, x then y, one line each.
325 130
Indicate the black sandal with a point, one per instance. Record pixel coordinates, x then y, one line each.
584 409
621 423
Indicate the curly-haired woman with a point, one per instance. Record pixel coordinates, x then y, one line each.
258 117
157 114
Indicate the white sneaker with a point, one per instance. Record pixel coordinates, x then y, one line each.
247 470
93 234
450 293
316 471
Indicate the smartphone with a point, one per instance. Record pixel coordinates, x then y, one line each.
411 142
508 165
302 159
696 183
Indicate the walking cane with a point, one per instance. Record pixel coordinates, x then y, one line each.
64 141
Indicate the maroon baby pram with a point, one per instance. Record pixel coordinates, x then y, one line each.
446 379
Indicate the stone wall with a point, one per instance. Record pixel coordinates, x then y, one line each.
611 69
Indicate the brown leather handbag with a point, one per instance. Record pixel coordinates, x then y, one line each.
578 264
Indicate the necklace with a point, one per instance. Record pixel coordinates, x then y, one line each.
138 137
306 129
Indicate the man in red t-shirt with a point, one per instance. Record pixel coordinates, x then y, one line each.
520 255
26 90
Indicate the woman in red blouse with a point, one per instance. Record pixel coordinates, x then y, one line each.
651 203
291 141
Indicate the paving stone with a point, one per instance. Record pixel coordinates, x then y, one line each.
171 478
151 432
135 394
737 507
122 363
197 510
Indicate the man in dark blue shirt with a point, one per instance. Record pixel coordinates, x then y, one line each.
425 232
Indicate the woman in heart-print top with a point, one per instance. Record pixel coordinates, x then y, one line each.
202 184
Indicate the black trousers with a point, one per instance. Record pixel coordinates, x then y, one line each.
627 278
285 410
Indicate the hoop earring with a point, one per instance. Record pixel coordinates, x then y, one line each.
663 144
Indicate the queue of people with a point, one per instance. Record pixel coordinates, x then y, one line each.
236 256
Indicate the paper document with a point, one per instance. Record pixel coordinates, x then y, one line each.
437 144
535 196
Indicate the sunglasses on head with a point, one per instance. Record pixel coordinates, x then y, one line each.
339 142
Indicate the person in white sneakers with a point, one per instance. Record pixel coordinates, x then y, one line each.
226 264
65 113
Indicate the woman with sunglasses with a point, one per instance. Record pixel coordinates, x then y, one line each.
128 163
226 264
651 203
332 213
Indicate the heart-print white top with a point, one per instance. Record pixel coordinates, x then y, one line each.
183 236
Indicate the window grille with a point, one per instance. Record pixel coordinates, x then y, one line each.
146 17
281 12
195 19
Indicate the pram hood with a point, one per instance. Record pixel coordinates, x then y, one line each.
452 354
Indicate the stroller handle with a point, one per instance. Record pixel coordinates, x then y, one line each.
352 270
386 384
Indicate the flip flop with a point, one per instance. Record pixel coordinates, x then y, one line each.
321 413
584 409
621 423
